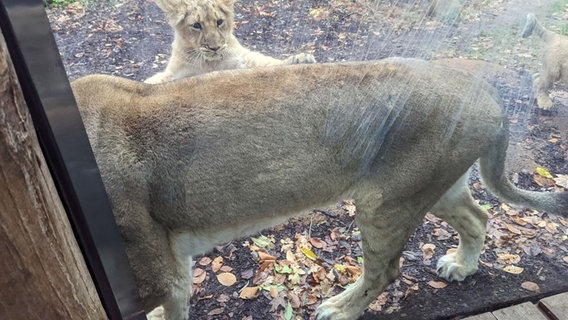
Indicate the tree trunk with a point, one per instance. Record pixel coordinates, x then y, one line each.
42 272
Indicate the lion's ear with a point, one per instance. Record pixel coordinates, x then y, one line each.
173 9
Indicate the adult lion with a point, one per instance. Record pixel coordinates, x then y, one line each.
554 60
204 41
201 161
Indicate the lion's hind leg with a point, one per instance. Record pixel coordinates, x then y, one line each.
385 229
458 208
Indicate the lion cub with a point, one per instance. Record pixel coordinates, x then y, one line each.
554 61
204 41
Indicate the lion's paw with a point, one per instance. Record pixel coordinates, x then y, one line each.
450 269
300 58
159 77
544 102
332 310
156 314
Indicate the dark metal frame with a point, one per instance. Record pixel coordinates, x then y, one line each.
64 142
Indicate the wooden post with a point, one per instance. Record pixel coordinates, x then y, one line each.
42 272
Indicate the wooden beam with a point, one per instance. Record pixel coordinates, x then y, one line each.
556 307
523 311
483 316
43 274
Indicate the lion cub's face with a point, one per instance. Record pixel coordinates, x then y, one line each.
204 26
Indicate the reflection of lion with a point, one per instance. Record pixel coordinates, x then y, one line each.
554 61
204 41
201 161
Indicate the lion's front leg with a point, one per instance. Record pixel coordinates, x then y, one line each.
300 58
541 84
159 77
458 208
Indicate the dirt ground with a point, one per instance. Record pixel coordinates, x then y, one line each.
526 252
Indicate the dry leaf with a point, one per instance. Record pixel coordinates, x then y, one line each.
437 284
317 243
349 206
309 253
249 293
543 181
217 263
565 259
226 269
199 275
531 286
263 256
216 311
264 242
353 270
513 229
273 292
509 258
204 261
428 251
513 269
227 279
543 172
561 180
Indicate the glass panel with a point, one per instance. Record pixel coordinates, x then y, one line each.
290 270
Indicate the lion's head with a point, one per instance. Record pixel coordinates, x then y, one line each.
203 26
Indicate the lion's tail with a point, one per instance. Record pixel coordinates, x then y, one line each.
533 25
492 168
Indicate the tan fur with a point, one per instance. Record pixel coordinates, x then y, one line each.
212 46
554 60
201 161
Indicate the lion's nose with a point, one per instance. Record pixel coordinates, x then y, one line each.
214 49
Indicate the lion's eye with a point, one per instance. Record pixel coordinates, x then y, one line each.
197 26
220 22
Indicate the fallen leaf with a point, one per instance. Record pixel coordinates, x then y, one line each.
217 263
428 251
513 269
349 207
263 242
216 311
513 229
437 284
288 311
309 253
249 293
273 292
552 227
247 274
204 261
199 275
509 258
531 286
565 259
543 172
543 181
317 243
226 269
263 256
561 180
227 279
353 270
